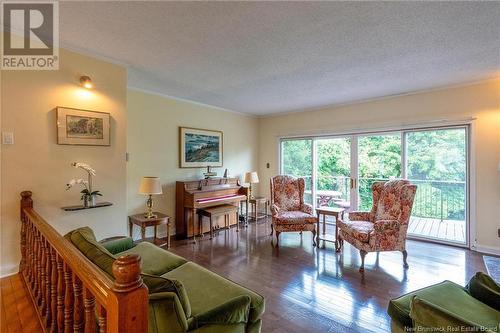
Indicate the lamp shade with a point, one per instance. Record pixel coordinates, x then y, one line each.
150 185
251 177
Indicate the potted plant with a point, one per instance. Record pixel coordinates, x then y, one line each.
88 195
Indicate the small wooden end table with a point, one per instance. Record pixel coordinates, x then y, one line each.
330 211
143 222
255 203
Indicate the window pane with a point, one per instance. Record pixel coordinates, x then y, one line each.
333 171
297 161
379 159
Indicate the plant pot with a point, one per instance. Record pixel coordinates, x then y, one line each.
89 201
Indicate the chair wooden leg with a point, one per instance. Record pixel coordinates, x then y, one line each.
314 237
278 238
363 254
405 255
272 229
211 229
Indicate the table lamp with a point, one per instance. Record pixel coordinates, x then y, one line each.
251 178
150 186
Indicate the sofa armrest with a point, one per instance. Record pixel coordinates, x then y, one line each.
426 315
117 245
166 313
359 216
386 225
274 209
234 311
306 208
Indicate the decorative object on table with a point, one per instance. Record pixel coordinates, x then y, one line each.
289 211
225 174
150 186
143 222
200 148
88 194
251 178
82 127
209 173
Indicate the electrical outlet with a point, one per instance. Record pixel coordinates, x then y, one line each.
7 138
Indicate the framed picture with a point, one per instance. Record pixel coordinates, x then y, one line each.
82 127
200 148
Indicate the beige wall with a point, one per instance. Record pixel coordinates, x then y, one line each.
153 145
37 163
481 101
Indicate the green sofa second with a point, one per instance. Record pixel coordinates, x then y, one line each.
183 296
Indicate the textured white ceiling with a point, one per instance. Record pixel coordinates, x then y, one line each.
268 57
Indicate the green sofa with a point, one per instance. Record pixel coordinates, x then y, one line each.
183 296
449 307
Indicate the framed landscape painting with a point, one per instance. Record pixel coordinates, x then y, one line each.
82 127
200 148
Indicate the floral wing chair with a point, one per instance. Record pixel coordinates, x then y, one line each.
289 211
384 227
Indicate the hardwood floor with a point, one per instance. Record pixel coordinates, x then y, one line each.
317 290
17 312
306 289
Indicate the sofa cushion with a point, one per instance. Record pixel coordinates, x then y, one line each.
85 241
118 245
207 290
483 288
158 284
358 229
399 308
461 313
155 260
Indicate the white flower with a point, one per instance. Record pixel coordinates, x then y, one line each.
70 184
85 167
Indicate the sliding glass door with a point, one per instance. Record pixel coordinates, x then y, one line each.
339 171
436 161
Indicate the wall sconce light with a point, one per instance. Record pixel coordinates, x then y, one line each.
86 82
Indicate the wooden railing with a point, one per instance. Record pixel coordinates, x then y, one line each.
69 292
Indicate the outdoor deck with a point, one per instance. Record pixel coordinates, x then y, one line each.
447 230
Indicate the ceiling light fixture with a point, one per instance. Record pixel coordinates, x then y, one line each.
86 82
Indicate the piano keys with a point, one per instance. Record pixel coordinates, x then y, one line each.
194 194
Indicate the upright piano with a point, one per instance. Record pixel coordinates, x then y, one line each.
194 194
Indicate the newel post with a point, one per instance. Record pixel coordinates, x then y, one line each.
26 202
131 314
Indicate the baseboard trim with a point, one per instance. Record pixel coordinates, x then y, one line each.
9 270
487 250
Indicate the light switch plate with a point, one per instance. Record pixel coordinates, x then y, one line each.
7 138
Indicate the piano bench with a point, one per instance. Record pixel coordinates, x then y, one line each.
211 212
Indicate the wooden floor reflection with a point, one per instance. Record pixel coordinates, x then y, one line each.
316 290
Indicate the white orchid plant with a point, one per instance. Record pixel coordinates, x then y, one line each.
86 184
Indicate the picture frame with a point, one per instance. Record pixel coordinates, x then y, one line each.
82 127
199 148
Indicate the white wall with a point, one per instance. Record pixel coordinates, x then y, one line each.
481 101
153 145
37 163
